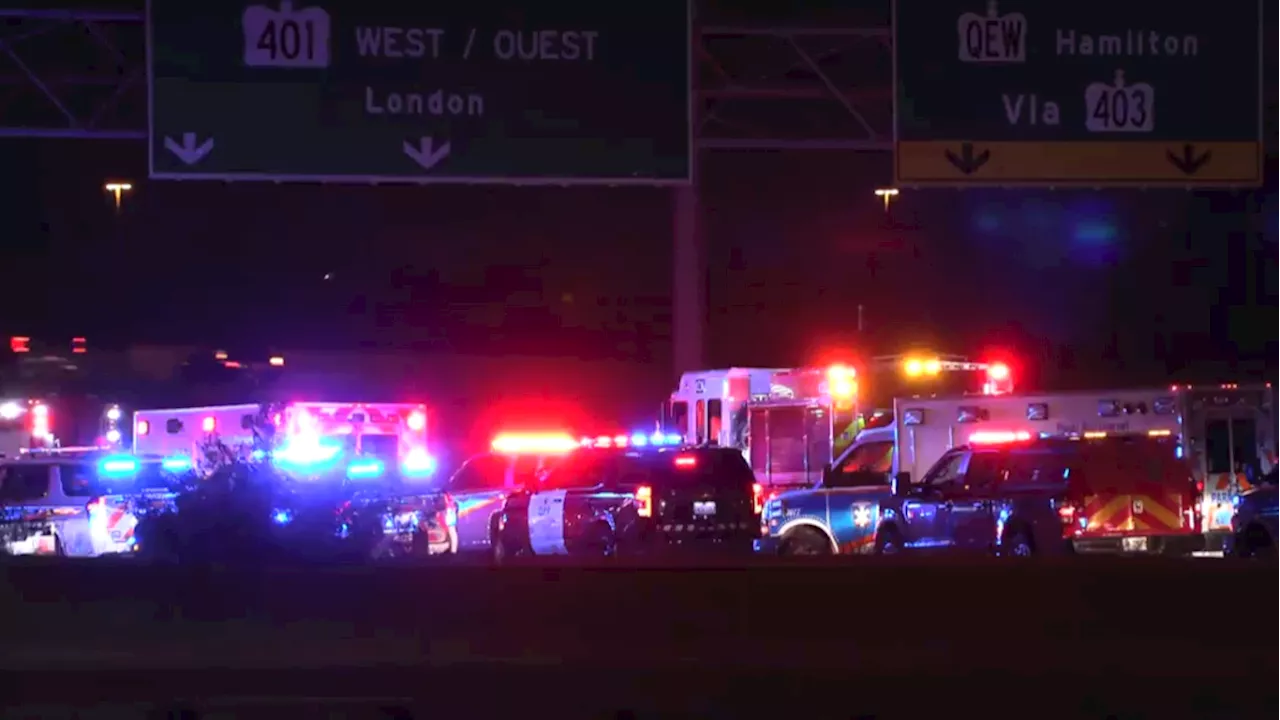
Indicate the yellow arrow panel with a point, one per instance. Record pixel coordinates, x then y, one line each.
962 162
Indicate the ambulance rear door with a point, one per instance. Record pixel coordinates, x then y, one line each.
1228 428
790 443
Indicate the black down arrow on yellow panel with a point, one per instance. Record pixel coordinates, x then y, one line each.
967 161
1188 162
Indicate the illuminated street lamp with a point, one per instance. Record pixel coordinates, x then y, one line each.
888 195
117 190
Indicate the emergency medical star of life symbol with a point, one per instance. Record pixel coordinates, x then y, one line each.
994 38
285 38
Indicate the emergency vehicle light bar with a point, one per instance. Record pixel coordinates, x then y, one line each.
998 437
533 443
68 450
637 440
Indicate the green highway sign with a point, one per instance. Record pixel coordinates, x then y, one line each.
366 91
1090 92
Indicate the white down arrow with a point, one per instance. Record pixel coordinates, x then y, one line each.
188 152
426 154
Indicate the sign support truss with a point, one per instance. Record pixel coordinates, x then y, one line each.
798 88
72 74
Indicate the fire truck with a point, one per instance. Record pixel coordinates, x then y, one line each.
315 435
49 398
1222 431
792 422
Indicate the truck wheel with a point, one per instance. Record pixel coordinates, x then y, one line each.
805 541
1017 544
1255 543
601 543
501 553
888 541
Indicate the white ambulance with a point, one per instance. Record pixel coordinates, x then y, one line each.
1223 431
392 433
785 421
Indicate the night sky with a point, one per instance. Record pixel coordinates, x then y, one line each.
1087 287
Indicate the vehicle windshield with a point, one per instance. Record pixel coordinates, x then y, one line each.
866 465
529 468
721 469
385 447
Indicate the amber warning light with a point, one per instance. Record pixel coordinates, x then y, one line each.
842 382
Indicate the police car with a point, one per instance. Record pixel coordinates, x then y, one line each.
80 501
478 489
625 496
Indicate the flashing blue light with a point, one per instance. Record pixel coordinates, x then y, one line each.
282 517
258 454
118 465
658 439
365 468
418 463
177 463
308 456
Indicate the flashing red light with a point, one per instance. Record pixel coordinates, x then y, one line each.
209 424
417 421
998 437
644 501
757 498
40 427
998 371
20 344
144 427
536 443
842 382
686 461
79 345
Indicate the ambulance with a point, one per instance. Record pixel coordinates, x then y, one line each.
1222 431
39 423
315 435
791 423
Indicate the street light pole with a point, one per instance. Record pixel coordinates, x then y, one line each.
117 190
888 195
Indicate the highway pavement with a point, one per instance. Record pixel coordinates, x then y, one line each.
841 638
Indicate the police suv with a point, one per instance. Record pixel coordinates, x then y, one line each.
80 501
621 499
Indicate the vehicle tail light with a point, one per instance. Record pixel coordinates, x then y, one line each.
757 498
644 501
40 425
209 424
686 461
417 421
1196 510
1068 514
144 427
450 511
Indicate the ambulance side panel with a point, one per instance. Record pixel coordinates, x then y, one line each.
189 429
926 428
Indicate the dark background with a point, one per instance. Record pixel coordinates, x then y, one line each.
1085 287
